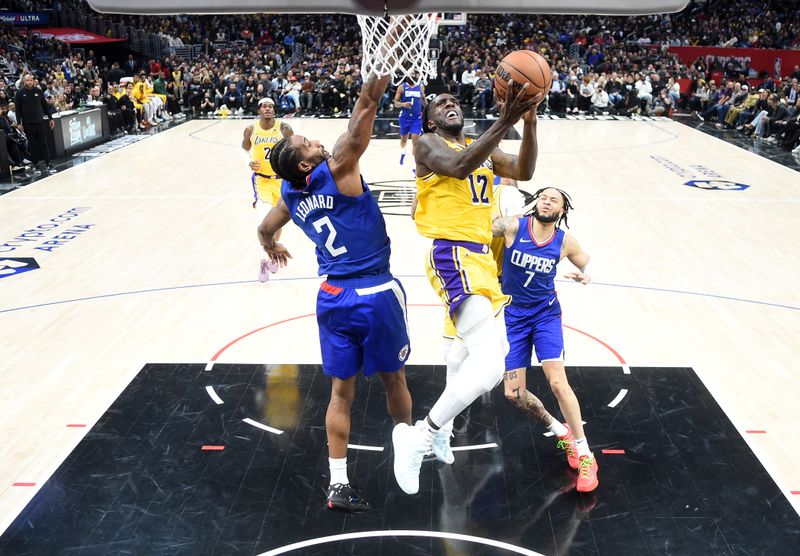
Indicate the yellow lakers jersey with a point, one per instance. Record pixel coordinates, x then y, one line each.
261 143
454 209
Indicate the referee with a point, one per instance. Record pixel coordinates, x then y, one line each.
32 111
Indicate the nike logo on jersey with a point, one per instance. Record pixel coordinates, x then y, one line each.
525 240
551 301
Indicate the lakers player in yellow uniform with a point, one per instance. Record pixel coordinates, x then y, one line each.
507 200
455 182
259 138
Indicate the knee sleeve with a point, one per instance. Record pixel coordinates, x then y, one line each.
482 357
454 357
484 338
446 343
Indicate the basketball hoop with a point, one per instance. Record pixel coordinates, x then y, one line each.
397 45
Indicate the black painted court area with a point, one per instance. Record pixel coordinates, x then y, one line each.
141 483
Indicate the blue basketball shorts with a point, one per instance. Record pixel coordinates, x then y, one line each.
362 326
411 125
536 328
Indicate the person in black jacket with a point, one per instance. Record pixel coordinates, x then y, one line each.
115 74
115 120
32 111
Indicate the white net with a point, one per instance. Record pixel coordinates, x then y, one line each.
397 45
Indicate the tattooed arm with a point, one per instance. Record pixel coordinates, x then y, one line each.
505 226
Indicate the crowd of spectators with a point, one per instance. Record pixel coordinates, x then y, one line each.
310 65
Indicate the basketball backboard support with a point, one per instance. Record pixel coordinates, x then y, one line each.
455 19
394 7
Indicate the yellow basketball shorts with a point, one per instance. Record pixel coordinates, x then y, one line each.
266 189
457 269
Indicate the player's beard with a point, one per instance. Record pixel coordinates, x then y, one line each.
545 219
454 129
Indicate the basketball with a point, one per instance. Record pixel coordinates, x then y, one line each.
523 66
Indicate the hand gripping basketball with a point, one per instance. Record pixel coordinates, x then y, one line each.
512 110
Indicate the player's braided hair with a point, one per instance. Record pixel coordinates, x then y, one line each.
567 205
285 161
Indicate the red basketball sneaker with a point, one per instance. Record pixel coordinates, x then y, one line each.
587 474
567 443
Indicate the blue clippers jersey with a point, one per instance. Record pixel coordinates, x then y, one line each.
349 232
414 96
529 268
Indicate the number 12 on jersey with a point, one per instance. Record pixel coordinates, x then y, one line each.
479 182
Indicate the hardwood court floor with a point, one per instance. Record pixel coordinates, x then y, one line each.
148 255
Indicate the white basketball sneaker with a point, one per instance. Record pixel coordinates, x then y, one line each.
409 449
441 444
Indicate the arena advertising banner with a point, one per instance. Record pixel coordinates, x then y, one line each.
776 62
24 18
81 129
74 36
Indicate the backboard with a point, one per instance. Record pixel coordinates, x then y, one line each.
394 7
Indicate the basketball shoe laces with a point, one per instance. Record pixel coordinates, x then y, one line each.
585 466
566 445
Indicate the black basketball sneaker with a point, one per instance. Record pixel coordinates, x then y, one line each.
346 498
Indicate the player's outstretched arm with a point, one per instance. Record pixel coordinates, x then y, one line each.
578 257
275 219
521 166
353 142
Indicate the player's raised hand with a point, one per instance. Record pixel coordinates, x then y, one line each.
579 277
278 253
530 115
512 109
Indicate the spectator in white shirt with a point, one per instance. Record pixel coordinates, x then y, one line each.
644 91
468 79
599 101
585 92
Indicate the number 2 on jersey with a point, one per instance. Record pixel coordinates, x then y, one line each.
325 222
482 182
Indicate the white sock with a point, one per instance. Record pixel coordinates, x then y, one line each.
583 448
338 468
557 429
